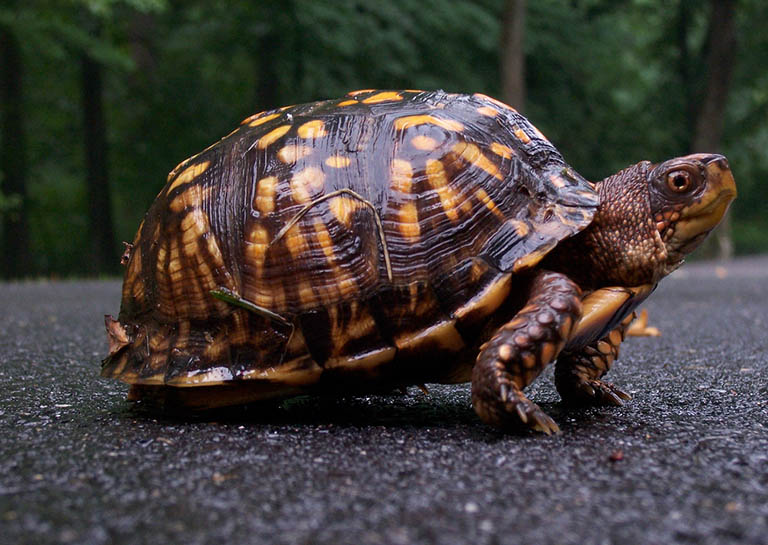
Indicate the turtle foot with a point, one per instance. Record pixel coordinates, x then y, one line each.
512 410
596 393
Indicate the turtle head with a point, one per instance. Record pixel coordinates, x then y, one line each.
688 197
649 218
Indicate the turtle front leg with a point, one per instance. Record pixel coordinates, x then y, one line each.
520 350
578 374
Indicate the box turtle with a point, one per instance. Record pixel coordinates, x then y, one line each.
395 238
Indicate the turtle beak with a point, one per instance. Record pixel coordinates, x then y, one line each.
703 215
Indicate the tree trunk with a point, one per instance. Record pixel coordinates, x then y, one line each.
686 69
267 78
17 255
708 127
513 54
103 253
142 35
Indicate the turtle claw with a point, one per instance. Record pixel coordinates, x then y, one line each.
531 417
545 424
597 393
508 408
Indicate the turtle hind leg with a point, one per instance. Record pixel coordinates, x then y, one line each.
578 374
520 350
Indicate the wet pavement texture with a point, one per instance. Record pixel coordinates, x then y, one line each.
686 461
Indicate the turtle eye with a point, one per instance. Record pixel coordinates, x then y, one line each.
679 181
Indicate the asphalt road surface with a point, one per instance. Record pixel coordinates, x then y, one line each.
686 461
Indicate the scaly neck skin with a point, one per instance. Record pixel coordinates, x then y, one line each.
622 246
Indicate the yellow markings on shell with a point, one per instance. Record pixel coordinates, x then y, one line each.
138 232
161 253
442 335
484 198
192 197
189 174
258 244
193 226
403 123
494 101
196 228
343 207
359 91
522 136
251 118
306 293
414 90
305 183
424 142
349 102
266 297
137 290
265 194
174 262
295 242
199 278
359 325
347 286
312 129
293 374
501 150
337 161
255 122
521 228
386 96
472 155
487 301
367 361
273 136
477 270
324 239
413 302
134 266
488 111
402 176
293 152
177 168
528 261
408 223
439 181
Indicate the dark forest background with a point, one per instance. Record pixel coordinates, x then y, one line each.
101 98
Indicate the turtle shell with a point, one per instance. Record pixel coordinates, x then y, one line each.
340 242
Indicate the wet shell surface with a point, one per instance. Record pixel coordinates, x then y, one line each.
368 240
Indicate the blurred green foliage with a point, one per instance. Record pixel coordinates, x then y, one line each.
604 83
